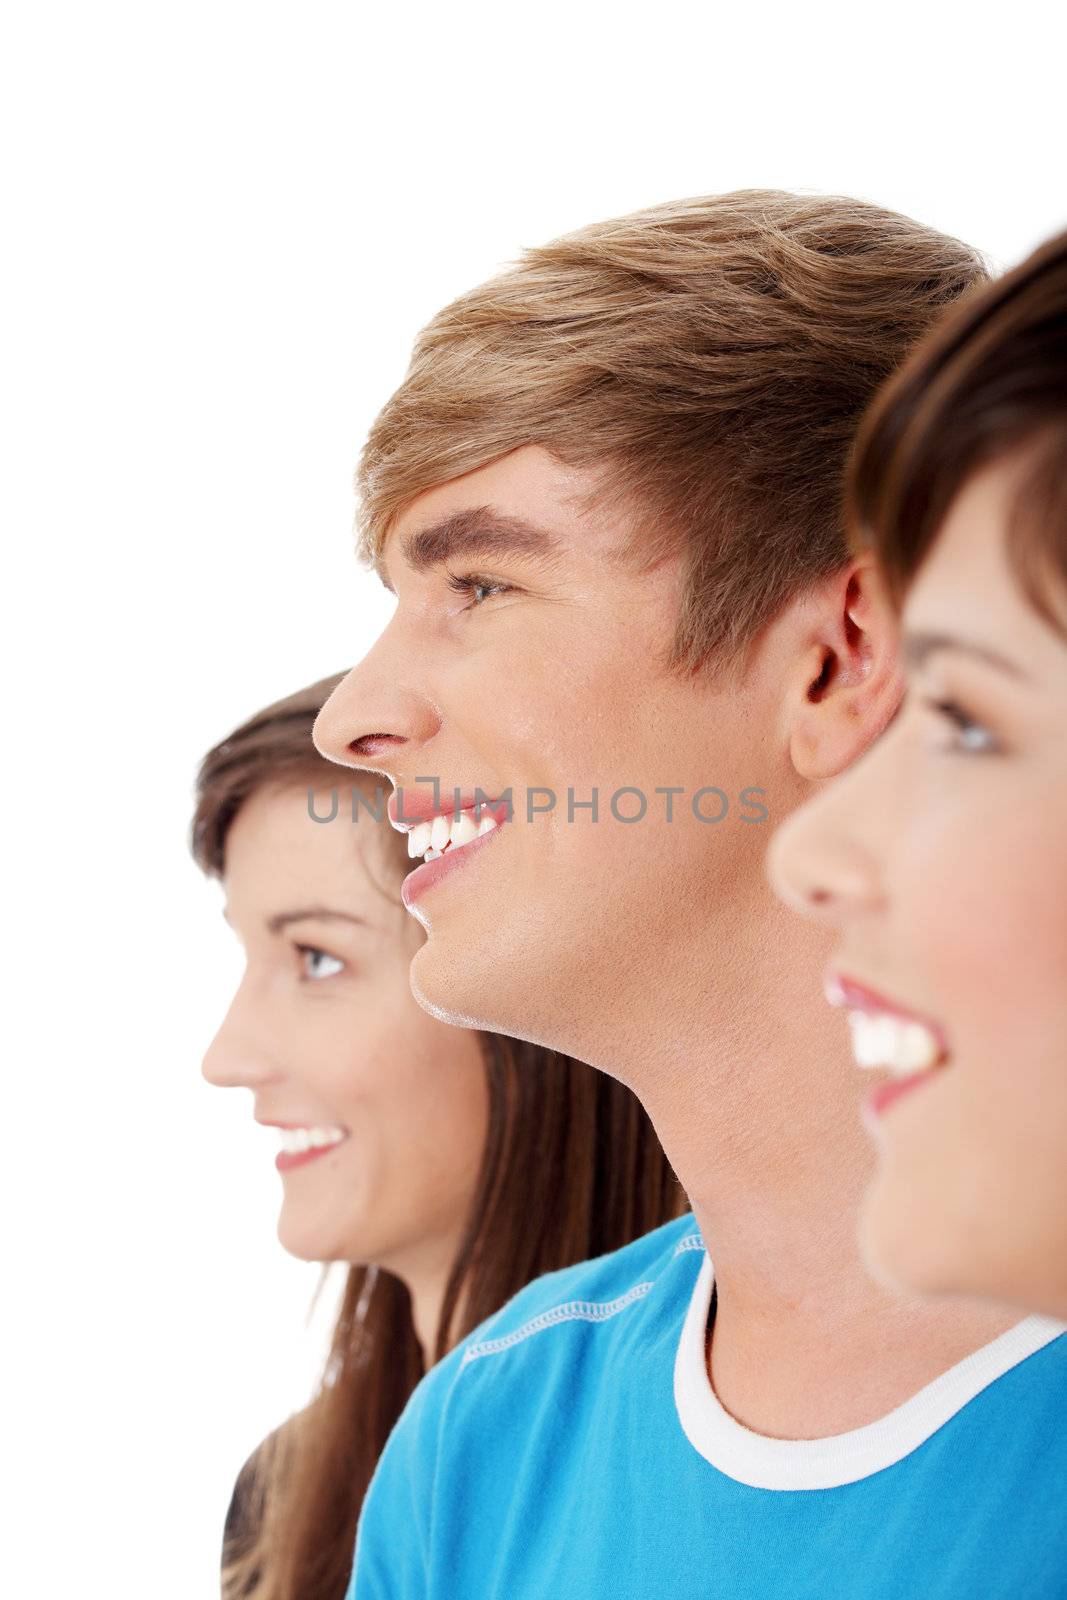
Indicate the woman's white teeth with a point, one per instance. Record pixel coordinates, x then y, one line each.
432 839
881 1040
296 1140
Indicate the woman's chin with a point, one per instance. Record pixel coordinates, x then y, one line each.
299 1238
313 1238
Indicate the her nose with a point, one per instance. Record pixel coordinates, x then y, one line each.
818 863
239 1057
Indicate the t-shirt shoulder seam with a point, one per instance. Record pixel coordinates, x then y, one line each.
590 1311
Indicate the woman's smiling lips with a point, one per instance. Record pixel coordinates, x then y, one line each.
304 1141
888 1035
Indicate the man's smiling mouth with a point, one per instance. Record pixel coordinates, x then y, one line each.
434 830
460 838
448 832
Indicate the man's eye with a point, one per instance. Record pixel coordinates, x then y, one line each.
971 738
478 588
316 963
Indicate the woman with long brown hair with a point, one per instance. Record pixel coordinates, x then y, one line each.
940 860
448 1167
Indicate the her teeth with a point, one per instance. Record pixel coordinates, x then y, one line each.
872 1038
463 830
487 824
439 831
295 1141
886 1041
432 855
917 1048
419 838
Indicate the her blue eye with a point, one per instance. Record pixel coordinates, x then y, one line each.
972 738
316 963
478 588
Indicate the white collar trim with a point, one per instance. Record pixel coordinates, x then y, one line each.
765 1463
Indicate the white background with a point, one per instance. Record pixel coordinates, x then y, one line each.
224 224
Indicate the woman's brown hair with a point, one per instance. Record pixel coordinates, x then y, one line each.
989 382
571 1169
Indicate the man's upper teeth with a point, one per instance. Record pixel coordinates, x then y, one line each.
296 1140
440 828
882 1040
444 831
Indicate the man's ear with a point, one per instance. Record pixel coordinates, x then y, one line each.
846 684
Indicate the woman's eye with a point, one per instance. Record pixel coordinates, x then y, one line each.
970 737
316 963
479 589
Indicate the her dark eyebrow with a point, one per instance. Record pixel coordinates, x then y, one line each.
917 648
480 531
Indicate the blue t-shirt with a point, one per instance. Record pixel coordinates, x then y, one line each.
575 1448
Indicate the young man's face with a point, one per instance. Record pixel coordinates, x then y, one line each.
525 655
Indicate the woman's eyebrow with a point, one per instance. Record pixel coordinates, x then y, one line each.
916 648
479 531
282 919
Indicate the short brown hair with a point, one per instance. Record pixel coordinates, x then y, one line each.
991 381
713 356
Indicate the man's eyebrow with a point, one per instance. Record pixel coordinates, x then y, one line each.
282 919
479 531
916 649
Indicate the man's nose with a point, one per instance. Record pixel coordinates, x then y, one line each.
375 718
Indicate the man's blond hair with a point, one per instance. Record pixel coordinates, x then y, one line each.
712 357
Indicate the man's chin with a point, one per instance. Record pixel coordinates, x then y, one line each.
466 989
474 991
441 984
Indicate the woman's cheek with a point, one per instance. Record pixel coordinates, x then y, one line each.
958 897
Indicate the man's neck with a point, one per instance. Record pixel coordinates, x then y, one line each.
756 1101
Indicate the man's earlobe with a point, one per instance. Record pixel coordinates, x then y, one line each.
851 682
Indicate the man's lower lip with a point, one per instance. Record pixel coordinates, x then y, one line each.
878 1102
286 1160
416 883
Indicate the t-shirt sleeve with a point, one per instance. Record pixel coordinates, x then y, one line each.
415 1503
392 1560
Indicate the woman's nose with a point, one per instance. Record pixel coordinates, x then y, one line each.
238 1057
818 865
